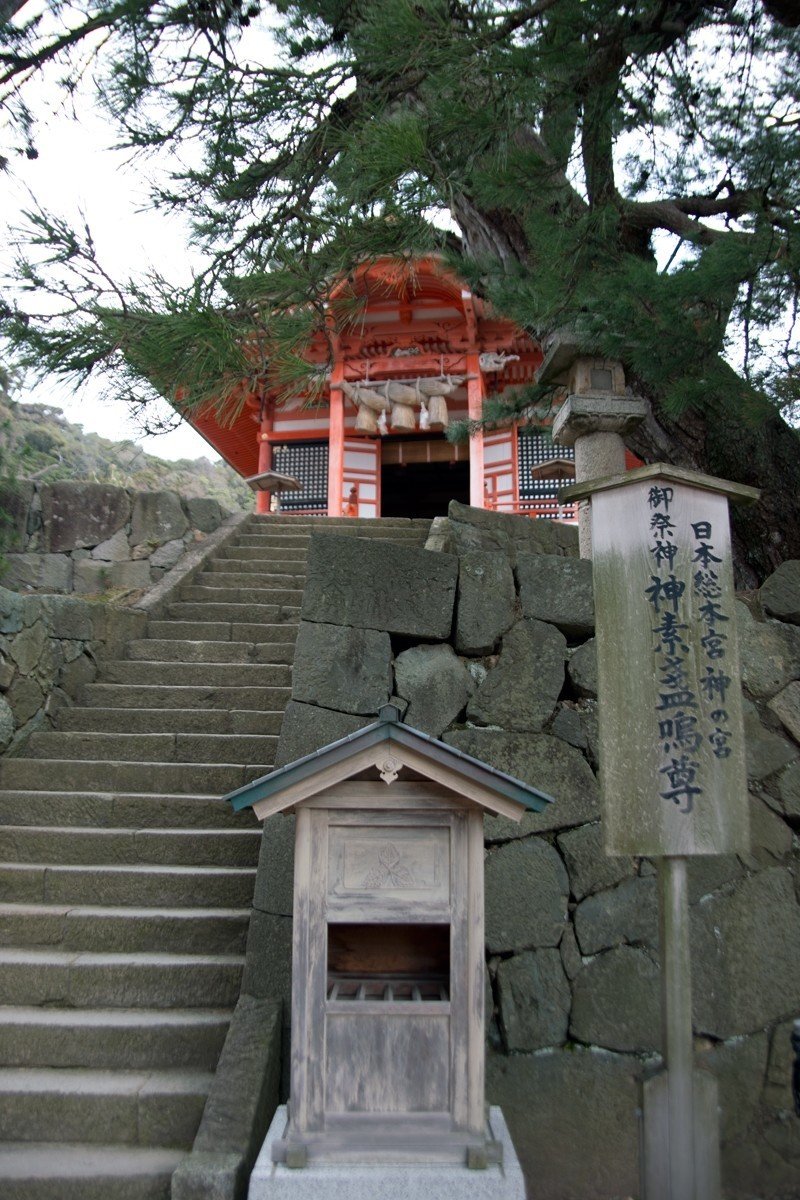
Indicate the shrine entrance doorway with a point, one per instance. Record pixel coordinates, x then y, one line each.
421 475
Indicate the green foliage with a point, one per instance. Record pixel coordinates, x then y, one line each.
37 442
13 458
558 154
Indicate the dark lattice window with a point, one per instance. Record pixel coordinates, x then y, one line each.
308 463
535 451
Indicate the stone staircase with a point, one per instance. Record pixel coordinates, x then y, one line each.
125 884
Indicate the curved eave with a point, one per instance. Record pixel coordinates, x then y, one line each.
304 778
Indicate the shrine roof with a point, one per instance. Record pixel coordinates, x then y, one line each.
475 780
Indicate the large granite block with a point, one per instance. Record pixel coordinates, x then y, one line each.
542 761
81 514
616 1001
746 956
307 728
435 683
486 601
157 518
769 654
572 1114
338 667
558 590
380 585
780 593
204 513
482 529
527 890
521 691
534 1000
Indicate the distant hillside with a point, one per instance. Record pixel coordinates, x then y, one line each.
38 442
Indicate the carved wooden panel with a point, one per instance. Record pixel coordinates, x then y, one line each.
399 863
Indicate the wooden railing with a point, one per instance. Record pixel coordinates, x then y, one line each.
542 506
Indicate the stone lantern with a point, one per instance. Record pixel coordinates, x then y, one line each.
596 415
388 967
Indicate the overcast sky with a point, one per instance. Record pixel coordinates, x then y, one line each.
77 171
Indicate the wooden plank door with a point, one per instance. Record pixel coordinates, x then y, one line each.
362 471
501 489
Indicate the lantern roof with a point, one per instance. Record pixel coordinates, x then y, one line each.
389 745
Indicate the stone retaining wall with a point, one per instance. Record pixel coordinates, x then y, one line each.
488 644
92 538
49 648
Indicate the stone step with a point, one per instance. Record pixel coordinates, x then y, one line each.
32 774
181 720
278 540
236 555
263 566
276 544
154 747
108 1038
58 1171
126 886
82 979
182 651
366 527
119 846
277 589
121 809
161 1108
132 930
289 547
169 674
286 615
254 541
226 699
133 885
259 520
224 631
243 592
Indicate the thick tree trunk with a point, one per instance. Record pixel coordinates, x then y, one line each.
755 447
746 441
9 8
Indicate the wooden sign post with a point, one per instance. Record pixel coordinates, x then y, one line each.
672 766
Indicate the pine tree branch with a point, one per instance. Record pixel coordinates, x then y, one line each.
520 17
648 215
679 214
735 204
16 64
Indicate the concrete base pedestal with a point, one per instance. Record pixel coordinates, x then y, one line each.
391 1181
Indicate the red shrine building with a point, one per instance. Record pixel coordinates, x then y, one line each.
424 351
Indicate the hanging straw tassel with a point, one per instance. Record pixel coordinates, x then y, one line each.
399 393
403 417
362 395
439 416
440 387
366 420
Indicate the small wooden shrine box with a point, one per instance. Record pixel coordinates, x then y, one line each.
387 1060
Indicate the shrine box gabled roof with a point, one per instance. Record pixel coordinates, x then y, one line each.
389 745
